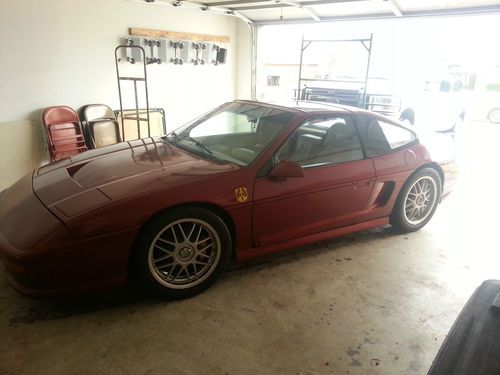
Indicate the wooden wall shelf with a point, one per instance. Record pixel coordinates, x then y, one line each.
174 35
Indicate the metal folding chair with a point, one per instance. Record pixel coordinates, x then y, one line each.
100 125
63 132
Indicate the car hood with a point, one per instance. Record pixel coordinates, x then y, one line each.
96 177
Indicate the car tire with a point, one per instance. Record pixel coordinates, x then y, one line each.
417 201
494 116
181 253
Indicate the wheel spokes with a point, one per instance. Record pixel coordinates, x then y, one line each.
172 274
184 253
175 235
165 265
167 242
160 259
162 249
420 200
182 232
191 232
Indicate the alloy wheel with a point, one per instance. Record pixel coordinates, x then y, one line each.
420 200
184 253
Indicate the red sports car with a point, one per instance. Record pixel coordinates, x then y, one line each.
244 180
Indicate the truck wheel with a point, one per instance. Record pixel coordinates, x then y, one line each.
408 115
494 116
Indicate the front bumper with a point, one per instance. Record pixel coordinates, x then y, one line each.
75 267
27 231
41 257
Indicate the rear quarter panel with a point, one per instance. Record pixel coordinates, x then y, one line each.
392 171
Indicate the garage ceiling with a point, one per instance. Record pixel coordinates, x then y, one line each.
270 11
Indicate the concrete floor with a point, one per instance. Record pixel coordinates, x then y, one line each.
372 303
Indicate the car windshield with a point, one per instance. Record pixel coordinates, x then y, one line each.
236 132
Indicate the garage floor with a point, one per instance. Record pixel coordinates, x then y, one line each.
371 303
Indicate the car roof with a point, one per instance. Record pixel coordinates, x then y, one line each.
309 107
320 108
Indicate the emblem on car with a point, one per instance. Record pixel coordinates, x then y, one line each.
241 194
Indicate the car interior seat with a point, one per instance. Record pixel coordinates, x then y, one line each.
304 149
376 143
267 128
339 144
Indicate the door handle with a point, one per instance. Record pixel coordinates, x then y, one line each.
362 183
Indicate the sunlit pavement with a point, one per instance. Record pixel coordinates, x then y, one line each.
471 219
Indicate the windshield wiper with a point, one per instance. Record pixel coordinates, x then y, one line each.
174 138
197 143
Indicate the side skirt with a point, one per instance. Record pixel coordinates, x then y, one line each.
248 254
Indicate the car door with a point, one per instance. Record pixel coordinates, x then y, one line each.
333 192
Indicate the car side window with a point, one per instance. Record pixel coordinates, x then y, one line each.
322 141
380 137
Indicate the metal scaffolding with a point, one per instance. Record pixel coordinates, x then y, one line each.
366 43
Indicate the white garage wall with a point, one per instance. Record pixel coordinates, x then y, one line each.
62 52
244 72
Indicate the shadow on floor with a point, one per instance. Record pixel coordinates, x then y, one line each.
317 248
33 311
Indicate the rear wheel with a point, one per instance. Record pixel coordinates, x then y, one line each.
417 201
183 252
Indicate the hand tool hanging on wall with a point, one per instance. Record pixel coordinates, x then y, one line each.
153 51
177 46
199 47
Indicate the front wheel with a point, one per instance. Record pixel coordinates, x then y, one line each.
182 252
417 201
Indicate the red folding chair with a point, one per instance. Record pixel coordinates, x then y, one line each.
63 132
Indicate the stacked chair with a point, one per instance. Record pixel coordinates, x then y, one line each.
67 136
63 132
100 125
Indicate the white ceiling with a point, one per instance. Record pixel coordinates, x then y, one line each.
319 10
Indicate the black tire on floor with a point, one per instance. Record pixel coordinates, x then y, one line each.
401 217
182 237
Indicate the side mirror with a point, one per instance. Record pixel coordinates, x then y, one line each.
286 169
